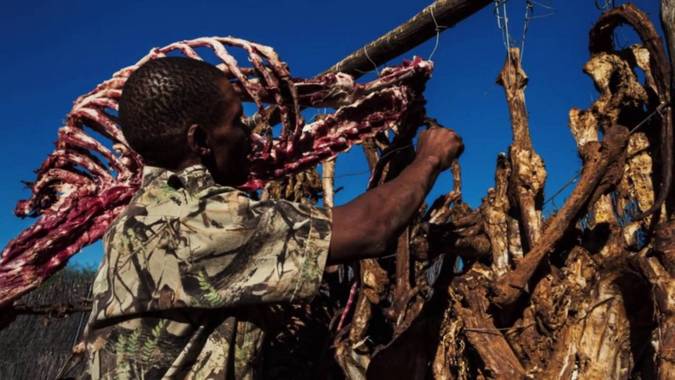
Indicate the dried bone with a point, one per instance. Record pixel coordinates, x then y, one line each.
402 287
449 362
606 112
527 168
494 211
495 352
663 288
668 26
374 278
602 41
570 297
509 287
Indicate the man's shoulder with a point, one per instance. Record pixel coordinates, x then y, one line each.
174 194
160 203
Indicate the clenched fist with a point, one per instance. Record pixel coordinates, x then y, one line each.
439 144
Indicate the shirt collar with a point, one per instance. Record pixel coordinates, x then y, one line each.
193 178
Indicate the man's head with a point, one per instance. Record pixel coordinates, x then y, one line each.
177 112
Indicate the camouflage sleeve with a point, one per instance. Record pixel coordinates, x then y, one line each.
245 252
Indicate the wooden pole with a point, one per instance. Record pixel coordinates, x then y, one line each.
439 16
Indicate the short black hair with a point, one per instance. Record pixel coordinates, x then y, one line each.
161 99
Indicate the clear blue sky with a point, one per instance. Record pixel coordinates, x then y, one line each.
54 51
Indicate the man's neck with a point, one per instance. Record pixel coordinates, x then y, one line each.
186 163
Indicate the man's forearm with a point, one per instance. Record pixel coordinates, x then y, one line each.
363 227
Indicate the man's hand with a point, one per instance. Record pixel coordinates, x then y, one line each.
439 144
362 227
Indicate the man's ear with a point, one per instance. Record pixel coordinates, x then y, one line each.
196 139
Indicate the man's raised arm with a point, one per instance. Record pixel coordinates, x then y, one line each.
362 227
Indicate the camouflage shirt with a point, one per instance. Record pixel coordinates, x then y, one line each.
190 269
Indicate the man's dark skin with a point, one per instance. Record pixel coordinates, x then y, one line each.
362 227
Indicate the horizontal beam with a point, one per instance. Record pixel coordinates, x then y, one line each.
439 16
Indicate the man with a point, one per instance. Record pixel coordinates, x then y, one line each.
192 263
